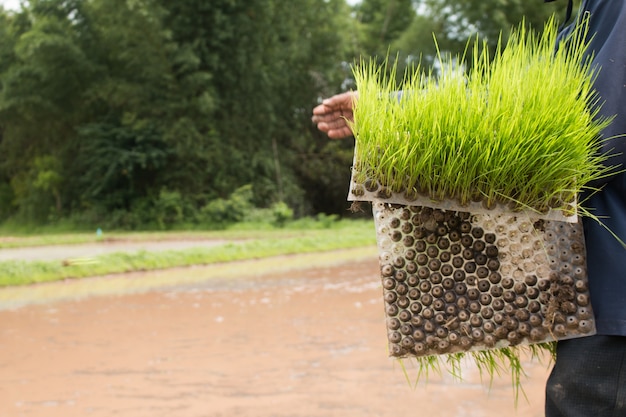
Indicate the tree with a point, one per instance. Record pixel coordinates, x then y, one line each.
455 24
42 83
381 22
268 63
7 57
136 106
121 143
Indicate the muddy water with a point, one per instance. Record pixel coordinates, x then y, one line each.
296 342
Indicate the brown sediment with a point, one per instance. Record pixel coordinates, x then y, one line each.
194 353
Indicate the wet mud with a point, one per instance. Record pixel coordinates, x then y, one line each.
307 341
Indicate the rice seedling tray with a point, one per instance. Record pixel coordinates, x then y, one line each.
370 190
456 281
474 194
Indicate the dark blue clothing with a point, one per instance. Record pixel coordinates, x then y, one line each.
606 257
588 378
589 375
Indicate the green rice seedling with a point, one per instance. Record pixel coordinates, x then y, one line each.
489 363
519 129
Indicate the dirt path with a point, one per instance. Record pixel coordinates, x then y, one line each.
51 253
292 342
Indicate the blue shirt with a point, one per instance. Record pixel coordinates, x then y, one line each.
606 256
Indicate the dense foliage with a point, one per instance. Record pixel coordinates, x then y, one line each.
153 113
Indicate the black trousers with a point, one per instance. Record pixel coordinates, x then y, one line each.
588 378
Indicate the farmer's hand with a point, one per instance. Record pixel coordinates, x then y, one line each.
333 115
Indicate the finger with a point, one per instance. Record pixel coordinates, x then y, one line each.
321 109
335 130
324 127
332 124
340 100
332 117
323 118
325 109
340 133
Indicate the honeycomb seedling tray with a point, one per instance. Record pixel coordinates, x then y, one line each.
455 281
370 190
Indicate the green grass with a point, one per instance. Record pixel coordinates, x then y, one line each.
257 244
517 129
120 236
50 235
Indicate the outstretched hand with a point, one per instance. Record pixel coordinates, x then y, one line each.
334 114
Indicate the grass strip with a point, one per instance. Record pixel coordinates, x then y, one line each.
239 231
355 234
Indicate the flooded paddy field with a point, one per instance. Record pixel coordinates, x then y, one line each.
300 336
